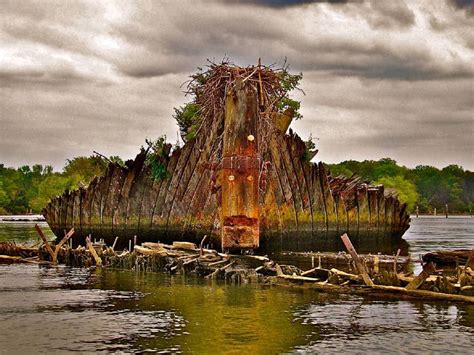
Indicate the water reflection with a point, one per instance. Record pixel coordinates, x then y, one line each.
63 309
354 325
47 310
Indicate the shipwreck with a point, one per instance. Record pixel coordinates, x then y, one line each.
243 178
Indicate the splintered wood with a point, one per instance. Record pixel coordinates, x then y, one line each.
187 258
360 267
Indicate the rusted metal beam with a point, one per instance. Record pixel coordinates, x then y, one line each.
240 167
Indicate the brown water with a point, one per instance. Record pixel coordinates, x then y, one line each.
53 310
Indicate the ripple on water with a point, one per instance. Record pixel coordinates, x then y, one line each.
56 318
352 325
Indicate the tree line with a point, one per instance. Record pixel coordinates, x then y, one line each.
28 189
424 186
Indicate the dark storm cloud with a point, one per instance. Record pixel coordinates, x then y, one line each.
184 39
383 77
467 5
286 3
390 15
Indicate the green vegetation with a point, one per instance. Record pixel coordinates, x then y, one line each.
191 115
28 189
159 150
310 150
425 186
290 82
188 119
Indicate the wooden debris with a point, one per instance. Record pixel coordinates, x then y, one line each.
426 294
345 275
98 260
7 259
214 274
428 269
61 243
298 278
45 241
115 243
395 261
237 269
148 251
448 257
360 267
184 245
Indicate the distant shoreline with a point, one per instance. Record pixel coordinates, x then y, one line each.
441 215
22 218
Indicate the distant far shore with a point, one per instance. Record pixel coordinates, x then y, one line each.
22 218
40 218
442 215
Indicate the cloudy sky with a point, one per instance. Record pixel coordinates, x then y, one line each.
382 78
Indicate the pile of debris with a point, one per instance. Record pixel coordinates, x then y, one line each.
187 258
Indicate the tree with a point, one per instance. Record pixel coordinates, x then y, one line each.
406 190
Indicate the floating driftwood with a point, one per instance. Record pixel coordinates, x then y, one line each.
186 258
242 180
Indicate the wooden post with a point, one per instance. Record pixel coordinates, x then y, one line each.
359 265
240 168
395 261
115 243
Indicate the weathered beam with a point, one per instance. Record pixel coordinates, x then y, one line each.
428 269
98 260
359 265
45 241
240 170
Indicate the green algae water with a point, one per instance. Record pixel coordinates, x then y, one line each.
60 309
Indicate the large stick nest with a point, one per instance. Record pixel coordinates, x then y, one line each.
209 88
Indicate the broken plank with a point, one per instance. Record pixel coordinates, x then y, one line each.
428 269
45 241
360 267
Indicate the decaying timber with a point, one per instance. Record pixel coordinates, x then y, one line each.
242 180
187 259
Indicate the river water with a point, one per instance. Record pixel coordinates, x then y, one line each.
55 310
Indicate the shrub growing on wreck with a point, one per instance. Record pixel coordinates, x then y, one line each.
188 119
208 89
158 152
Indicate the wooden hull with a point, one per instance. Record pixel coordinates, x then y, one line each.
299 203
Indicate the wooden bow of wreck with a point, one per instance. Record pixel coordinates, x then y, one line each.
242 180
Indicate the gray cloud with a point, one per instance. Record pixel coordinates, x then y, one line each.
390 14
466 5
286 3
384 78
